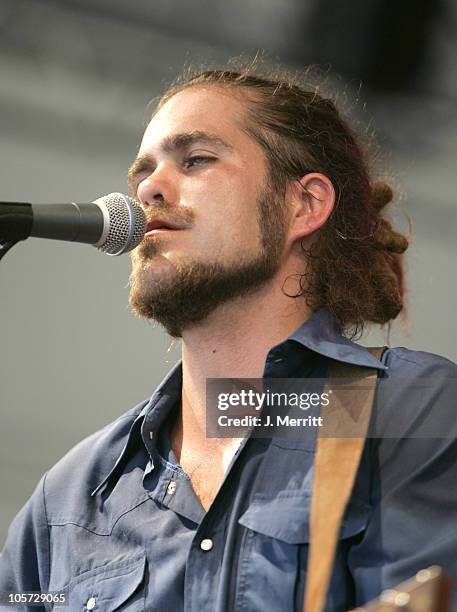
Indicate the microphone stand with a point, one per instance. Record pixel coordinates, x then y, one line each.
16 220
6 246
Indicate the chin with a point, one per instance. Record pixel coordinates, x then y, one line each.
149 275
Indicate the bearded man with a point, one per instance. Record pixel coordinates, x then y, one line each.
265 253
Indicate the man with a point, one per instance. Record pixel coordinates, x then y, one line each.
265 243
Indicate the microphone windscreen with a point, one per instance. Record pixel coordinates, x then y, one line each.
126 223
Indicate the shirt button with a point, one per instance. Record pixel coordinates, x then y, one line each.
206 544
90 604
171 487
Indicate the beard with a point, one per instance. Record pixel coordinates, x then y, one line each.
195 289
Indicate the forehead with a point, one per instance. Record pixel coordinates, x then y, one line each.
199 109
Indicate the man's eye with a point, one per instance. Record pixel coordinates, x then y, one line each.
198 160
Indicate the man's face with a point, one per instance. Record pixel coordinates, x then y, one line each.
198 171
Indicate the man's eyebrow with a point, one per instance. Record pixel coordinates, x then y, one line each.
179 141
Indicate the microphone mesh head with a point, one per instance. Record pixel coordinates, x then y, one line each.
127 223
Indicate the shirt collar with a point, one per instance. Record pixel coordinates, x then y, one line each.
163 400
320 333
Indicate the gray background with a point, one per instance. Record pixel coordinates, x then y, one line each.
75 80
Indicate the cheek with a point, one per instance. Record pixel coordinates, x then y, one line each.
235 236
225 208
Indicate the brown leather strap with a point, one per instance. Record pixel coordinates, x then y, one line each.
335 466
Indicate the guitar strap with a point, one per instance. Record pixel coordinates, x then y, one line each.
335 467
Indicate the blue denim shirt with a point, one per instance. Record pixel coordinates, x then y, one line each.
117 519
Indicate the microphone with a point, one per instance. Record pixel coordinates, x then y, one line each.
113 223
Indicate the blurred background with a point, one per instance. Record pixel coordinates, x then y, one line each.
76 77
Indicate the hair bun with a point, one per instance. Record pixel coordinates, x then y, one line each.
388 239
381 194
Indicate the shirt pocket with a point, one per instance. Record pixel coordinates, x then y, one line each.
273 556
118 585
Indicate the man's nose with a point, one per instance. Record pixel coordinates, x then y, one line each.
160 186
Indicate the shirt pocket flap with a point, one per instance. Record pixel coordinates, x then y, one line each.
286 518
108 587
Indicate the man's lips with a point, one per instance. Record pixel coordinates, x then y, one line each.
159 225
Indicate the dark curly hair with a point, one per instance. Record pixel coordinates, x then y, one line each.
354 265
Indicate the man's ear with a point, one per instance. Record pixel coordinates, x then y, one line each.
311 201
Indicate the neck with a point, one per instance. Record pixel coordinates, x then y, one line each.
233 342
